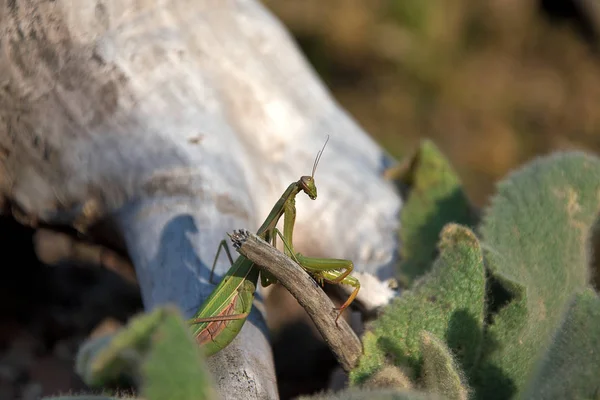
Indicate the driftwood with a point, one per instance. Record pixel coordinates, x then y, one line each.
173 123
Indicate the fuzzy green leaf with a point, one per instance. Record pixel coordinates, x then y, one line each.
436 198
441 374
448 302
154 350
536 239
374 394
113 357
389 377
571 367
85 397
173 368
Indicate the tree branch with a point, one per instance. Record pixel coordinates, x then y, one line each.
340 337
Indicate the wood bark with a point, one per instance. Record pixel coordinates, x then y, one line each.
175 122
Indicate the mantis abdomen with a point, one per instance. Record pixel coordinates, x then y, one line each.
223 314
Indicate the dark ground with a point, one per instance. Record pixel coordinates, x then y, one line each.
48 311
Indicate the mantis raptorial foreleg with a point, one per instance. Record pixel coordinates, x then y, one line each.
332 270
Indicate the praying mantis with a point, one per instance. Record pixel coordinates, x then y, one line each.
221 317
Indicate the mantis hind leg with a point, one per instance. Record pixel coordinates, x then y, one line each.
327 269
331 270
222 245
348 280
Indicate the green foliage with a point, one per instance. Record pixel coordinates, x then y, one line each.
412 14
536 236
173 369
441 374
156 351
540 335
112 357
571 366
82 397
435 199
372 394
448 302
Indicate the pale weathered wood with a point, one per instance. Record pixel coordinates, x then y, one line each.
179 121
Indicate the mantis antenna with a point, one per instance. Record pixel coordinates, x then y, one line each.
318 158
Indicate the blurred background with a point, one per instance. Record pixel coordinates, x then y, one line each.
493 83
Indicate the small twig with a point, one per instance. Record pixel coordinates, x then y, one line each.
340 338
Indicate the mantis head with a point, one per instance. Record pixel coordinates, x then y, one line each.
307 183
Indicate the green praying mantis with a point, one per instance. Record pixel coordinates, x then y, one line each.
221 317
